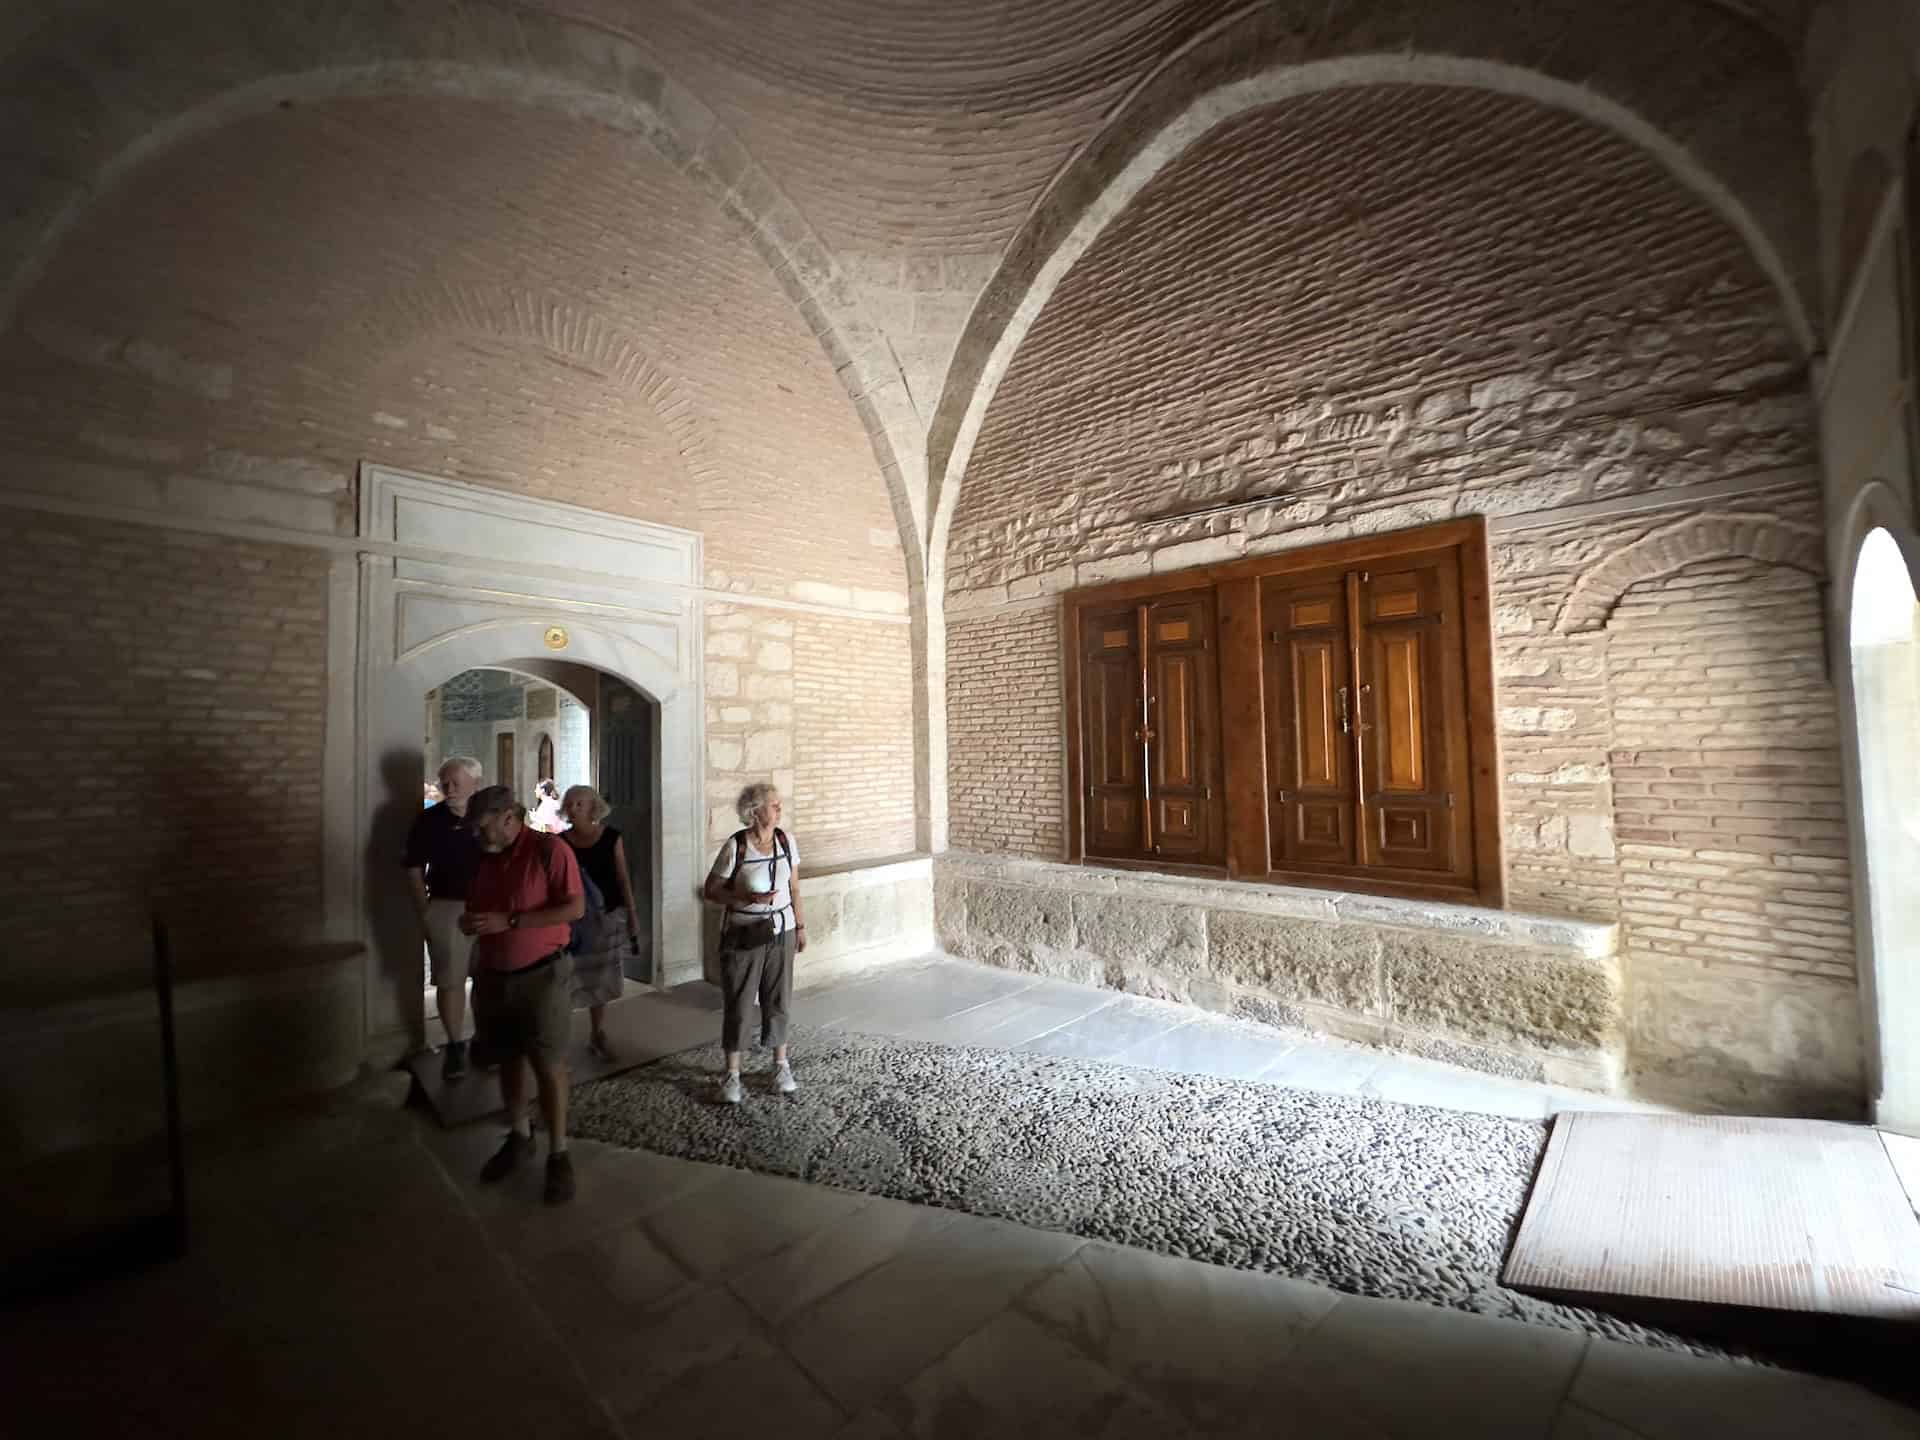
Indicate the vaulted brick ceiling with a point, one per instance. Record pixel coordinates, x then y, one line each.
915 138
464 289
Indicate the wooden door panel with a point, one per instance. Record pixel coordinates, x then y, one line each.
1175 683
1412 782
1319 672
1183 709
1322 825
1308 712
1109 732
1399 712
1113 756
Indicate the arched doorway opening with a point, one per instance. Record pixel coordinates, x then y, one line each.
522 725
1884 641
532 720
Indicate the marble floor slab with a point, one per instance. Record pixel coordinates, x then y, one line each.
1210 1047
335 1259
1104 1033
956 1002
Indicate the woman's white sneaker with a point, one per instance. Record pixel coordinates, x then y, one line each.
730 1090
783 1080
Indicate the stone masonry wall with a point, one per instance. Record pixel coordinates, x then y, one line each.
821 707
1515 995
166 722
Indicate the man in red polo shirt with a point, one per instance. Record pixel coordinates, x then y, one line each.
519 905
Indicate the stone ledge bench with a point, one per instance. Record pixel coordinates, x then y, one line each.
1528 997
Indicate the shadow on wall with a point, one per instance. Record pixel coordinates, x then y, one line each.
393 931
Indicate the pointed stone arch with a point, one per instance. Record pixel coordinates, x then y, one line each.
1712 536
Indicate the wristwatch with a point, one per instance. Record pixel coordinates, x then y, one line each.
513 920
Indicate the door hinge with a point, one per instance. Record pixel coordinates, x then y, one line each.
1206 792
1449 799
1283 796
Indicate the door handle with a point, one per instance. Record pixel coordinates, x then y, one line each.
1346 725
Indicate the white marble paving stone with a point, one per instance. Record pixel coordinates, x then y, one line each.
1010 1020
632 1362
602 1286
1206 1047
613 1186
1012 1378
883 1327
1104 1033
737 1222
1210 1343
885 1005
1574 1422
755 1389
1413 1369
869 1425
837 1254
1331 1069
1413 1082
1660 1395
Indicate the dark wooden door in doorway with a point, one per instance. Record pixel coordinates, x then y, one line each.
503 759
628 784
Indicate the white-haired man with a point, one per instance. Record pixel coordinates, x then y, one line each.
442 854
525 895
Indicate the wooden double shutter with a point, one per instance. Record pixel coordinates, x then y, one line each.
1366 720
1358 682
1150 730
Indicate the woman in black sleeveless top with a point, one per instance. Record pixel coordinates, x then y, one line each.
599 968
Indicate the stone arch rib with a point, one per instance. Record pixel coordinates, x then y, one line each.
1718 535
565 330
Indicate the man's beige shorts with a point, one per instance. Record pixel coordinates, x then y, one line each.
449 953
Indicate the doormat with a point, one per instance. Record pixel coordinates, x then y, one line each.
1404 1202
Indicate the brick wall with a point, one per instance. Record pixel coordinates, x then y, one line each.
1725 741
1004 733
163 739
853 738
1367 297
1730 812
